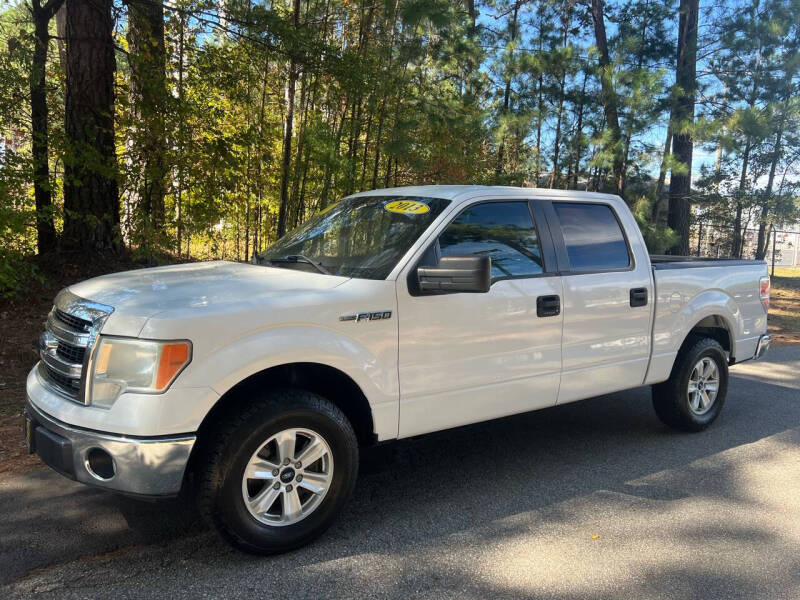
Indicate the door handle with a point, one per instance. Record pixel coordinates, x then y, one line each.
548 306
639 297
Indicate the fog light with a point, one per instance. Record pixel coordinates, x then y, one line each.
100 464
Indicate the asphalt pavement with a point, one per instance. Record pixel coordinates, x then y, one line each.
592 499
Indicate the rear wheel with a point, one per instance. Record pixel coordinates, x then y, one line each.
692 398
279 473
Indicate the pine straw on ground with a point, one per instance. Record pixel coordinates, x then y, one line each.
784 306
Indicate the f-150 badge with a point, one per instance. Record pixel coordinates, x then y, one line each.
367 316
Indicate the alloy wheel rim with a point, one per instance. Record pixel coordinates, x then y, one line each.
287 478
703 386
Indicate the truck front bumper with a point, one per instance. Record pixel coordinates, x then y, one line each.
137 466
763 345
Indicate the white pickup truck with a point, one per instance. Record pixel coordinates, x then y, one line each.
391 314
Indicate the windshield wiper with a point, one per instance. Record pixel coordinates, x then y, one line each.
299 258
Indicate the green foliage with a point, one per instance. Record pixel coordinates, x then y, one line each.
657 236
16 222
404 92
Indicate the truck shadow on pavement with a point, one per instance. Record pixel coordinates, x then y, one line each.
468 488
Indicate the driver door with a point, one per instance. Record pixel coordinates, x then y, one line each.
469 357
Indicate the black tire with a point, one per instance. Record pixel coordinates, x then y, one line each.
221 469
671 398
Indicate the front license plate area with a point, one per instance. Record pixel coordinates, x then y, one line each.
54 450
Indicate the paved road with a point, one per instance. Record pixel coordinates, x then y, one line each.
590 499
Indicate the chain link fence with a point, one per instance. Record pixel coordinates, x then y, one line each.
716 241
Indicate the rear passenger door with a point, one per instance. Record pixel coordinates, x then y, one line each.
607 299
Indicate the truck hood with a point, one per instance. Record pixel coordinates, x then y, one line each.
206 286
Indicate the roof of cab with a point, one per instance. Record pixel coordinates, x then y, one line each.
458 193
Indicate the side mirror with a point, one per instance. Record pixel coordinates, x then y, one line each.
457 274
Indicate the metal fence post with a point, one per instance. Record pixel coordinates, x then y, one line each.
774 238
699 237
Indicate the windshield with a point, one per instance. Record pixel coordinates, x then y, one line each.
361 237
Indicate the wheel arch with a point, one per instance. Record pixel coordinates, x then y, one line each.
714 326
714 313
324 380
712 321
327 381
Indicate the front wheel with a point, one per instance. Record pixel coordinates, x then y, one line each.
278 473
692 398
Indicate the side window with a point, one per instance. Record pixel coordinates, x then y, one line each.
502 230
593 237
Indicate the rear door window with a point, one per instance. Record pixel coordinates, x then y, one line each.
593 237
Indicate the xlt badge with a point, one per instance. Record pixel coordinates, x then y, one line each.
367 316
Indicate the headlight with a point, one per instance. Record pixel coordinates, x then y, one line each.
131 365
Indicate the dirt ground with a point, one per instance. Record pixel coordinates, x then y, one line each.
21 323
784 308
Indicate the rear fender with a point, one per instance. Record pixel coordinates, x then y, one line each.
676 317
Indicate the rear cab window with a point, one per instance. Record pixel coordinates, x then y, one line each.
593 237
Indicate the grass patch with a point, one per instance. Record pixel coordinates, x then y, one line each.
784 306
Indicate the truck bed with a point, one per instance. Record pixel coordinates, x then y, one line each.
689 290
665 261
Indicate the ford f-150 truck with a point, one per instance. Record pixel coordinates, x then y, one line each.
390 314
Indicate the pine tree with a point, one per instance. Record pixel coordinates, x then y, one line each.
91 202
682 124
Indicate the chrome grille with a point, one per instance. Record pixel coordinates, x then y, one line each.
72 321
70 353
64 384
66 344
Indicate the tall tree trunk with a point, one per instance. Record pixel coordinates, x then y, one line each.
561 86
352 145
392 161
260 158
378 139
181 132
329 164
385 93
661 203
61 33
537 170
595 178
607 92
777 153
147 59
365 23
507 92
537 165
45 229
557 137
367 140
718 157
91 201
388 174
286 159
294 217
736 242
680 183
472 38
626 143
579 134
